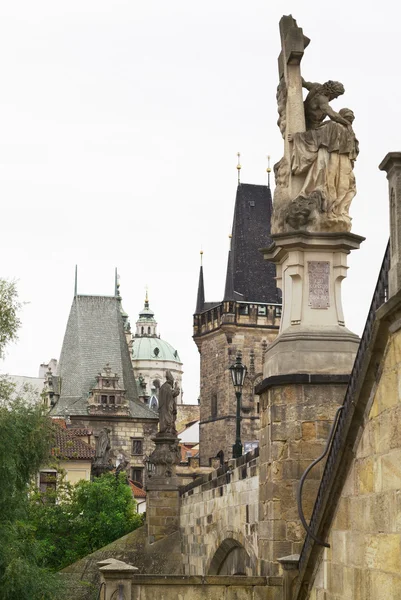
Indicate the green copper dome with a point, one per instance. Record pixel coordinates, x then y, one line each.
148 348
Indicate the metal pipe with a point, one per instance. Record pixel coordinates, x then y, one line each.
304 476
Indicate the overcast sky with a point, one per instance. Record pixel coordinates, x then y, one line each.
119 127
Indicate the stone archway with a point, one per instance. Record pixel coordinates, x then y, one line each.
230 558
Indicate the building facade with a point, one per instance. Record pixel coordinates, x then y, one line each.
94 386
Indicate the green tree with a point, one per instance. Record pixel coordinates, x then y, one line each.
85 517
9 307
24 446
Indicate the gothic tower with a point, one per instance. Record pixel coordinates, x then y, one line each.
246 321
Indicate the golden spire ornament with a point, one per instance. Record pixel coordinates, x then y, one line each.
268 171
239 168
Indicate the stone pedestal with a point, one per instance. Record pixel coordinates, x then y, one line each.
162 497
305 372
313 337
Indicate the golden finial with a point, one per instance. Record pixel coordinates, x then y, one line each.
239 167
201 255
268 171
229 243
146 295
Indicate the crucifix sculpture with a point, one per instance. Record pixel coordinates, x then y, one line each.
314 180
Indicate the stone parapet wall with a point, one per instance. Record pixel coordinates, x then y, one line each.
218 507
364 561
170 587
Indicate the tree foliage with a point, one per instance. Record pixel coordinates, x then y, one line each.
9 319
84 518
24 446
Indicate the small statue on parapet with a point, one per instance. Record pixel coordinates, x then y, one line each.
102 462
168 406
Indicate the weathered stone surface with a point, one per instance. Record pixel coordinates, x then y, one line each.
365 558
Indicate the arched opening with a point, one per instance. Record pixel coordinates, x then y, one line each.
230 558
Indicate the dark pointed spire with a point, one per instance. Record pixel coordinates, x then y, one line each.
116 284
229 288
200 300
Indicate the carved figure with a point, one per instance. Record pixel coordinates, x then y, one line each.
315 183
317 106
103 446
102 462
325 156
168 406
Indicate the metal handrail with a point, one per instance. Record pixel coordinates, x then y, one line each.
304 476
379 297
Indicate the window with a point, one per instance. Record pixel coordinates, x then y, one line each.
137 446
148 330
112 399
213 407
137 475
103 399
47 480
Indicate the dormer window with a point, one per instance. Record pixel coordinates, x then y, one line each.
103 399
112 399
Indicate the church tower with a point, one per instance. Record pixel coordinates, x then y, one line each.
246 321
151 357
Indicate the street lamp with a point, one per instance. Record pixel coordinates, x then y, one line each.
238 373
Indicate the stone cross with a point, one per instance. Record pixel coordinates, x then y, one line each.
293 44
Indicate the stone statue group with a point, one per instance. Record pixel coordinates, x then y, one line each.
315 182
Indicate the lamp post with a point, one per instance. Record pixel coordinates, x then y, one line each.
238 373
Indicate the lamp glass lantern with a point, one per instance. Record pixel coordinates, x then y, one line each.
238 373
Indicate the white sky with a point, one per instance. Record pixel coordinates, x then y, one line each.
119 127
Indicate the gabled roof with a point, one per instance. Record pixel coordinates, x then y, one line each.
94 337
68 447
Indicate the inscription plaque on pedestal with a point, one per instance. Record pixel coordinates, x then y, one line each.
319 296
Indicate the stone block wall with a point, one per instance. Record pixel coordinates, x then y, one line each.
122 432
162 513
218 351
364 561
186 413
295 424
221 506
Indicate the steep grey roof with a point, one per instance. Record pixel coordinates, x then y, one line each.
94 337
249 276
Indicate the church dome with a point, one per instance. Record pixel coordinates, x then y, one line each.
148 348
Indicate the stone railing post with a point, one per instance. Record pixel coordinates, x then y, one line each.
290 573
117 576
392 165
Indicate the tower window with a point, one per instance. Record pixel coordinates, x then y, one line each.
149 330
112 399
103 399
142 330
213 407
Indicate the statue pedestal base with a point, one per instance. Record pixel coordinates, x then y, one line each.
313 337
162 496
